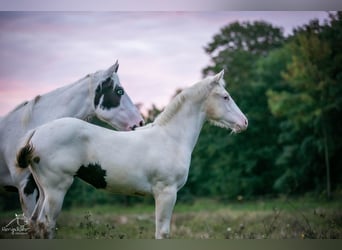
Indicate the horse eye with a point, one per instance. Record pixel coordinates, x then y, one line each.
120 91
226 98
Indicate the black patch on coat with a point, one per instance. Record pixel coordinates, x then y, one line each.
31 186
111 96
93 174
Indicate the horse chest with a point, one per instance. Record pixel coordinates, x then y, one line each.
173 172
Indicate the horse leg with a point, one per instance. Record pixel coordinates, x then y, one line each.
165 200
34 231
49 204
44 225
28 192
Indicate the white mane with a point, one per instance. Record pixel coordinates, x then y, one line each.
194 93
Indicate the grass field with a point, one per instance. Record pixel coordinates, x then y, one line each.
204 219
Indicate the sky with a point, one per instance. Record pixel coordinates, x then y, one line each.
158 52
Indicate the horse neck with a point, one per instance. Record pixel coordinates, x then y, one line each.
185 126
73 100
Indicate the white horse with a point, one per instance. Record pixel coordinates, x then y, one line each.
152 160
96 95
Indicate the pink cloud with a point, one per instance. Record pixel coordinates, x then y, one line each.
14 93
157 51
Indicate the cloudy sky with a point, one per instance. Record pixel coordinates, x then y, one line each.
158 52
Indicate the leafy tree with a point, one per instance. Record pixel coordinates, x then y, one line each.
309 105
238 46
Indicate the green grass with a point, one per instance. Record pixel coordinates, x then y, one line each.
207 219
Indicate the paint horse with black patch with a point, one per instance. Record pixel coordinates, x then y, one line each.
152 160
110 95
97 95
93 174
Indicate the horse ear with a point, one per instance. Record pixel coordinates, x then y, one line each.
116 66
112 69
217 79
219 76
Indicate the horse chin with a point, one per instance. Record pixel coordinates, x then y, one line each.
235 129
221 124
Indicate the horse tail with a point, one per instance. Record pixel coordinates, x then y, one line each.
25 154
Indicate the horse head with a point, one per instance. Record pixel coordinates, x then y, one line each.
221 109
112 103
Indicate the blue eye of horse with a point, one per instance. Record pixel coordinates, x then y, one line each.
120 91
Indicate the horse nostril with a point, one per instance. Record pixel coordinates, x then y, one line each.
141 123
246 122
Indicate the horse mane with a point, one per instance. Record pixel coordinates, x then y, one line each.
32 102
29 105
19 106
196 92
29 109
